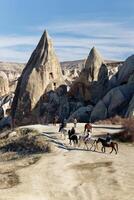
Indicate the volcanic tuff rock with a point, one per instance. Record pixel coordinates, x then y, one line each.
41 74
82 114
92 82
4 84
13 72
125 72
115 102
130 110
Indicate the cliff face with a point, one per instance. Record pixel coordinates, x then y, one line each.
41 74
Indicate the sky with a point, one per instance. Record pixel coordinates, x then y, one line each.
75 26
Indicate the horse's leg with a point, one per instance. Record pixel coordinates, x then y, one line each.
115 149
95 145
92 145
116 145
111 150
79 142
102 148
64 136
86 145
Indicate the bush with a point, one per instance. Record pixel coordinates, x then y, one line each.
127 135
26 141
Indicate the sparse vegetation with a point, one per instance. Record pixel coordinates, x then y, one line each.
22 146
127 135
24 141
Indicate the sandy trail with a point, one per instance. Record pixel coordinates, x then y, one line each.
76 174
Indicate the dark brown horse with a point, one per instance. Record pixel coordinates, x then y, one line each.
72 137
113 145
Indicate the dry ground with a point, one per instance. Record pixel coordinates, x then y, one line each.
75 174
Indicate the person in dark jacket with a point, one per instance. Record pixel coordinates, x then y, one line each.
108 138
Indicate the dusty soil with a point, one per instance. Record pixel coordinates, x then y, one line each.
75 173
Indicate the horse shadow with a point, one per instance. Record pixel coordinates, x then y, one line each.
61 145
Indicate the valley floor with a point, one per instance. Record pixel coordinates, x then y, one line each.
74 173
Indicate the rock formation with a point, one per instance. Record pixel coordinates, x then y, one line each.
130 110
4 84
92 82
115 102
82 114
125 71
41 74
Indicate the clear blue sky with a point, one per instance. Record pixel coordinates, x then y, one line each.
74 25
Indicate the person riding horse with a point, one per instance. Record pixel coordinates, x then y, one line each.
88 136
72 136
62 125
88 127
72 132
108 138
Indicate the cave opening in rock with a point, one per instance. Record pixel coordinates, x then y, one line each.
51 75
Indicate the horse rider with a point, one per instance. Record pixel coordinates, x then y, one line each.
72 132
75 122
88 127
88 136
108 138
62 125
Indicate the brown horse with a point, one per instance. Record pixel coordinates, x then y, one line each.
113 145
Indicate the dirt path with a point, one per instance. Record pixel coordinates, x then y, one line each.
76 174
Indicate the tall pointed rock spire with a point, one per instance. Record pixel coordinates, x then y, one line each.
41 74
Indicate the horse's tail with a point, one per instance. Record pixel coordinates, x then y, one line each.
117 148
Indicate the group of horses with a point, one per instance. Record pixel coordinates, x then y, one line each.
78 140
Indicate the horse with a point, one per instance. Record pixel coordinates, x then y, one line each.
72 137
113 145
63 132
91 141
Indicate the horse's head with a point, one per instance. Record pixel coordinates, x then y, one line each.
98 140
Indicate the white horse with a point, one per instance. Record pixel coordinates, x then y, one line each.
86 141
64 132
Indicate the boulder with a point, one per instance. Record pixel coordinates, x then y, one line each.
115 102
99 112
130 110
41 74
82 114
124 73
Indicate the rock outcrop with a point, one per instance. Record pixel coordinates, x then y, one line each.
125 72
4 84
130 110
115 102
54 103
41 74
82 114
92 82
13 72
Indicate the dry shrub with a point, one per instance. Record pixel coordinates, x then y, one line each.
128 125
127 135
8 180
26 141
117 120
